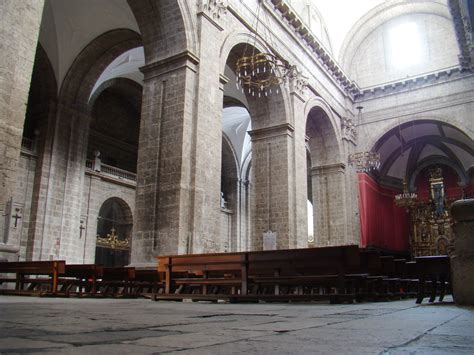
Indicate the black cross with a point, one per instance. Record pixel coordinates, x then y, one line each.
16 216
81 227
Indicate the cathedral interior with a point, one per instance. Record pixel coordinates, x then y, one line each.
133 129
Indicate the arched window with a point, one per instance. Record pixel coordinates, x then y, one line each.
114 230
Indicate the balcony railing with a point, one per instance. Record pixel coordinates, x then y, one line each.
108 170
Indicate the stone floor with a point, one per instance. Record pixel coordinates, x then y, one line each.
100 326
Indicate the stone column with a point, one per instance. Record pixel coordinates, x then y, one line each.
273 183
19 29
179 156
329 193
462 262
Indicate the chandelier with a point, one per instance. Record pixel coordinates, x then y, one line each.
406 199
364 162
258 73
261 73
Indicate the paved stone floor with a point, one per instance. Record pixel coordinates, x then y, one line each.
101 326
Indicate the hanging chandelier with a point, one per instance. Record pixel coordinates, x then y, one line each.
261 73
406 199
364 162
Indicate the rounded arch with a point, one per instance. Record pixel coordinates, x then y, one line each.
125 210
389 126
114 233
408 145
121 84
91 62
437 160
167 28
276 105
323 134
380 14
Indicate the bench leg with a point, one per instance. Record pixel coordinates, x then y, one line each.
434 284
442 290
421 290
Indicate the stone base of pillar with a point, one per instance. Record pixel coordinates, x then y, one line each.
462 262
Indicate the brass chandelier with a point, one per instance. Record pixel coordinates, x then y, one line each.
406 199
364 162
260 73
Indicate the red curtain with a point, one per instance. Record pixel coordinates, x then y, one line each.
382 223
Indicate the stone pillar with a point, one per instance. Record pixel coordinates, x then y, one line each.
273 183
462 262
329 193
179 157
300 187
20 23
349 139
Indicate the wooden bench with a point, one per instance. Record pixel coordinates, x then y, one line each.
183 273
148 282
264 274
116 282
435 272
80 279
323 273
23 271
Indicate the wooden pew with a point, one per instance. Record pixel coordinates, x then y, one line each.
116 282
299 271
148 282
313 273
81 279
23 271
185 273
433 271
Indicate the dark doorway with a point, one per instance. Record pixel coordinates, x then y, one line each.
114 227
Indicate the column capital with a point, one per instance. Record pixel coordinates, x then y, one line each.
170 64
213 10
285 129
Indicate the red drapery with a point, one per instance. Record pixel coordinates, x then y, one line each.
382 223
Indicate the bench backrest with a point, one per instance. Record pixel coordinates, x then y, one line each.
325 260
34 267
84 270
433 265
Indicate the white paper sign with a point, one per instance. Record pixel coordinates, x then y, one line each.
269 240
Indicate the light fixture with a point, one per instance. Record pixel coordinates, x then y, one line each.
364 162
406 199
259 73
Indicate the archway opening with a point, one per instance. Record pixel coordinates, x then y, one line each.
114 231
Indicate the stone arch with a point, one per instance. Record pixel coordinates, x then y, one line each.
276 105
422 140
38 126
421 118
327 174
323 134
119 82
166 26
91 62
69 143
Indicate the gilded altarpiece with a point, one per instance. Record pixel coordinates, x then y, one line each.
431 221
